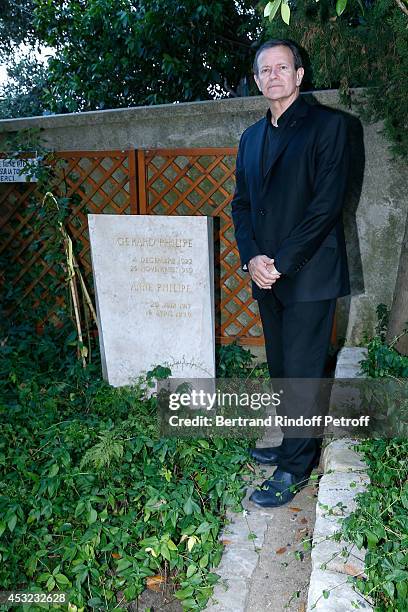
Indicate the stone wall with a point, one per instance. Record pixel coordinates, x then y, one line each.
376 207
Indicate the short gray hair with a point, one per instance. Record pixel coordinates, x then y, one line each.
278 42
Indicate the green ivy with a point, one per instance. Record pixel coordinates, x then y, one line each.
234 361
380 524
383 359
380 521
92 500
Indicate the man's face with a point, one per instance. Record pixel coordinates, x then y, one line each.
277 78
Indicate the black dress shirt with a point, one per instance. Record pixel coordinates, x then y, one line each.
274 133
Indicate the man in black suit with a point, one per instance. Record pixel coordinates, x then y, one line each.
291 177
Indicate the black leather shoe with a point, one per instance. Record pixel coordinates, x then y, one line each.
279 490
267 456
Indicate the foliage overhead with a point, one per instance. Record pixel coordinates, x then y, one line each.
21 95
120 53
16 25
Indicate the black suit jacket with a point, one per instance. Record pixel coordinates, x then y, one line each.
291 211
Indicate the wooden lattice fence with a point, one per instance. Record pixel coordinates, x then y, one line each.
160 181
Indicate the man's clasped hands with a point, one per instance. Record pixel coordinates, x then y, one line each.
263 271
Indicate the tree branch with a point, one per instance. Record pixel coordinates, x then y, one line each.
402 6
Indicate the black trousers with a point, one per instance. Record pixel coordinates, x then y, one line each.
297 338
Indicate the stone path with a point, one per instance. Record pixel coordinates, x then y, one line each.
265 567
260 569
281 579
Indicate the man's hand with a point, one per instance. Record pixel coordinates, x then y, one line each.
262 271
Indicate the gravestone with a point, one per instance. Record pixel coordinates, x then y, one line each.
154 290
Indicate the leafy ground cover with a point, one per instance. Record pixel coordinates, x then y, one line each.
380 522
93 502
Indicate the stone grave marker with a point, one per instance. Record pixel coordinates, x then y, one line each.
154 289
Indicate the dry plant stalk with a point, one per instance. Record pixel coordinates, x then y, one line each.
72 273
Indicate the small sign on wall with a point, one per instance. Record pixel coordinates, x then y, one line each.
17 170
